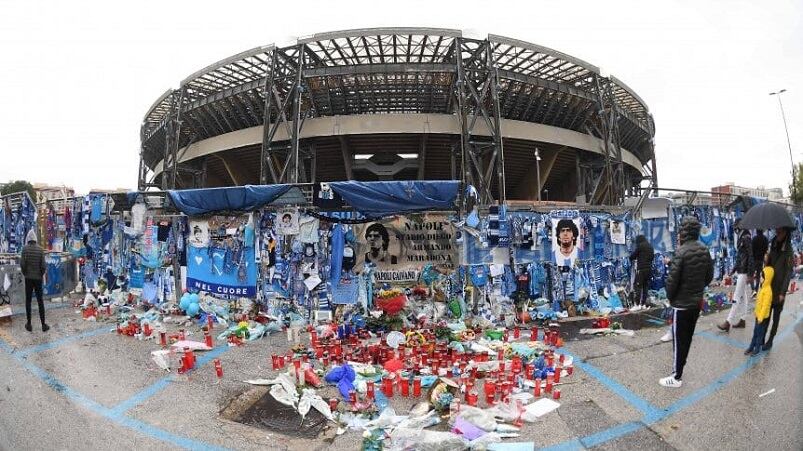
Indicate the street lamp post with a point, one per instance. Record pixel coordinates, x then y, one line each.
788 142
538 172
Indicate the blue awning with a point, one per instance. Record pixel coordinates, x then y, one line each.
193 202
397 197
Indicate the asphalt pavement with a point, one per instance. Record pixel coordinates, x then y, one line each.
82 386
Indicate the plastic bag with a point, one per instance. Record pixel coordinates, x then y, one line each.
385 419
481 418
510 412
342 376
280 394
309 398
403 439
482 443
420 422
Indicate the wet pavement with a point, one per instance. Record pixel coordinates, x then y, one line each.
82 386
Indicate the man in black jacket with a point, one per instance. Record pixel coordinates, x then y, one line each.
744 278
32 264
760 245
690 272
643 255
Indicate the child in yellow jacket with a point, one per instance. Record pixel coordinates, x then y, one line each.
763 303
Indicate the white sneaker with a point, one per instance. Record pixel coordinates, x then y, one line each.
667 336
670 381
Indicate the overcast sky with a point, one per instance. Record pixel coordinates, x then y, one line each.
76 78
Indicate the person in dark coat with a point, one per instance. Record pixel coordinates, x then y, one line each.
32 263
781 258
744 270
690 273
643 254
759 246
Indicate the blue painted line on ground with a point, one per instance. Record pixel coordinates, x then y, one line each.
723 339
110 414
611 433
624 429
623 392
55 344
655 321
569 445
162 383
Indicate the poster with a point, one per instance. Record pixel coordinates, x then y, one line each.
227 265
566 226
618 232
287 221
399 247
199 233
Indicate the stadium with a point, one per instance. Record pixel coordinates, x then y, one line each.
517 120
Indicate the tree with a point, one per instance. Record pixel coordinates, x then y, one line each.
797 190
17 186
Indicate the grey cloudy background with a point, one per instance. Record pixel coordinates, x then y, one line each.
77 77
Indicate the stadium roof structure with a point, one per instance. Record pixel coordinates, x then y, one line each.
463 108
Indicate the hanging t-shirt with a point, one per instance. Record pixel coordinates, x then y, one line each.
96 214
138 217
308 229
325 198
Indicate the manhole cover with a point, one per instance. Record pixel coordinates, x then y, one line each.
270 414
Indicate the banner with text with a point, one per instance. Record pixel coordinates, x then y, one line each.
221 258
400 246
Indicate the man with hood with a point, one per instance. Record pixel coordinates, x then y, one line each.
744 270
781 258
691 271
643 255
32 264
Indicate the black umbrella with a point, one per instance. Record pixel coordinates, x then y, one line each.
766 216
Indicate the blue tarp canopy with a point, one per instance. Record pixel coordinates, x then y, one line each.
194 202
375 199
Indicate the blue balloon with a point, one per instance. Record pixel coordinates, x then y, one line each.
185 301
194 298
193 309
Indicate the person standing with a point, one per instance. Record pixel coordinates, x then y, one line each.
691 271
32 264
781 258
744 270
643 255
759 246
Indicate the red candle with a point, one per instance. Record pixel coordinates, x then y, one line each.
558 369
333 404
516 333
405 387
369 392
189 361
556 393
562 358
387 387
218 368
181 334
352 397
569 370
548 383
162 337
416 386
500 354
472 398
208 339
490 398
534 333
537 389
